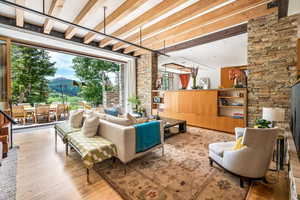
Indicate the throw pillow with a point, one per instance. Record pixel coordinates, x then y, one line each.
99 109
90 126
76 118
112 111
118 120
238 144
136 120
131 118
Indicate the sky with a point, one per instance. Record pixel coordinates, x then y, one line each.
63 64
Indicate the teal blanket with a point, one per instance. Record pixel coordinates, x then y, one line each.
147 135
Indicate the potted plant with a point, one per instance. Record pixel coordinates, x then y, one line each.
136 105
262 123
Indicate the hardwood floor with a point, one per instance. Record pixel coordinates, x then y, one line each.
44 174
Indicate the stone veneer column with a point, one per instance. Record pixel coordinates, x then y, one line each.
146 79
116 96
272 60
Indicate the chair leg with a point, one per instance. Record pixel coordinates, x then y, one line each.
88 175
211 162
162 151
241 182
67 149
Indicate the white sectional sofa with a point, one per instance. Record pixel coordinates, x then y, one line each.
124 139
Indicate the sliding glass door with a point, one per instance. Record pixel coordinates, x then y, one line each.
5 82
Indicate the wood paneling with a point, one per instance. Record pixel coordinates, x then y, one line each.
199 108
225 81
8 67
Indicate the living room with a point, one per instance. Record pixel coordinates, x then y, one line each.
206 108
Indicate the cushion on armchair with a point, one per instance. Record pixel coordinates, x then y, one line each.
219 147
238 144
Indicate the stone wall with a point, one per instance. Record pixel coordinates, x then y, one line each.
146 72
111 98
116 97
272 59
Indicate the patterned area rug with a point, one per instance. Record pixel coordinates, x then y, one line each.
8 176
183 173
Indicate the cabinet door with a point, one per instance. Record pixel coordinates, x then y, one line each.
5 81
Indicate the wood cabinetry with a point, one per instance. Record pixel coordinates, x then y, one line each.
200 108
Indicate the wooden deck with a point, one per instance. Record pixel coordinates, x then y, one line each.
44 174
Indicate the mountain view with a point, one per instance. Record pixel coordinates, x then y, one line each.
65 84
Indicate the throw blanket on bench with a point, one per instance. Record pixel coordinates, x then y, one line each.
147 135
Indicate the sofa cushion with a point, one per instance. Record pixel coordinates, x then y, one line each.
219 147
112 111
135 120
90 126
76 118
118 120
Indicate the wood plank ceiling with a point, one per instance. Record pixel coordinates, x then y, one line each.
154 24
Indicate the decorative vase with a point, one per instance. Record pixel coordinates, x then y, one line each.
184 79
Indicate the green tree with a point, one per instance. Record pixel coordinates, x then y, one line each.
92 72
30 67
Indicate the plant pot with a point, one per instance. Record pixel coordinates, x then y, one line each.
184 79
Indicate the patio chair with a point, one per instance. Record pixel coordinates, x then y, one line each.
42 111
19 113
60 109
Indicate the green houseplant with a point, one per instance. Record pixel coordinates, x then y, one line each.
262 123
136 105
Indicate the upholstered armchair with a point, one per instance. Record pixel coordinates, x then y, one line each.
252 160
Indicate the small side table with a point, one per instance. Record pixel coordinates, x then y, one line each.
280 151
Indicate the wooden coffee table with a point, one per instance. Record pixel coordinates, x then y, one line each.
171 123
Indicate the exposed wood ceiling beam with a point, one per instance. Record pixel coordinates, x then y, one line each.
145 18
86 10
200 21
20 13
227 33
283 8
55 8
180 16
33 29
239 18
127 7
